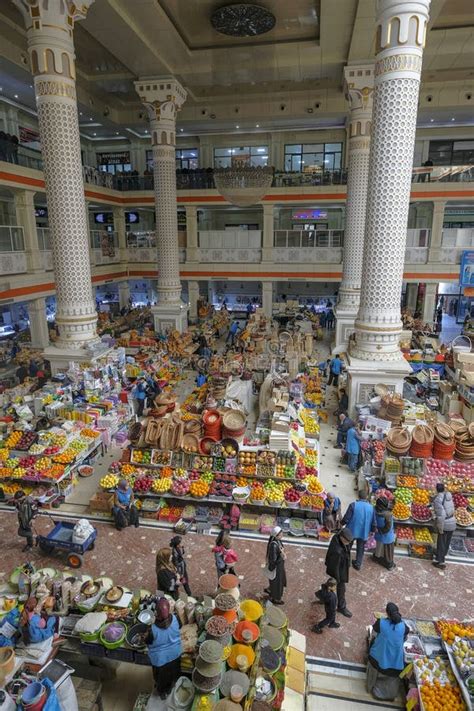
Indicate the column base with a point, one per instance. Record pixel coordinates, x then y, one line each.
170 317
345 320
363 375
60 358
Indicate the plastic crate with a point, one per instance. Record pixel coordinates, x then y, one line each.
121 655
91 649
143 659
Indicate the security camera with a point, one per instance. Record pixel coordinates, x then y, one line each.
429 98
282 107
468 97
317 105
141 115
237 109
203 112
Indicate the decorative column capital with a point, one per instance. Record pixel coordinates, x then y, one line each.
400 38
162 98
59 14
359 86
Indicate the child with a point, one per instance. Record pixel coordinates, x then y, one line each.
225 556
327 595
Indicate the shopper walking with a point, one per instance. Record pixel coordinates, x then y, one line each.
335 369
344 425
167 579
343 402
177 558
332 512
384 534
353 440
445 524
139 395
224 555
234 327
275 569
386 658
124 511
164 649
360 520
27 510
329 598
338 559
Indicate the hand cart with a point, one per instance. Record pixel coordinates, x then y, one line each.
60 539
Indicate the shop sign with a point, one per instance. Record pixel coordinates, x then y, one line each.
310 215
113 158
466 276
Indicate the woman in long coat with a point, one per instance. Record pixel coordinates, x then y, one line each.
276 567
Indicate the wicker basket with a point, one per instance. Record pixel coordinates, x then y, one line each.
234 420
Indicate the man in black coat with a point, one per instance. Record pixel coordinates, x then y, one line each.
338 563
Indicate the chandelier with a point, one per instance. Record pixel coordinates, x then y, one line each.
243 186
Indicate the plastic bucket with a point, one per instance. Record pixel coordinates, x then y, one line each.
34 696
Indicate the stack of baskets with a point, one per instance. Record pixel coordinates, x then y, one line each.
465 444
444 441
422 441
398 441
391 408
212 422
233 424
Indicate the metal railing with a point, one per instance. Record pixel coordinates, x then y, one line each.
230 239
11 238
307 255
443 174
297 239
224 255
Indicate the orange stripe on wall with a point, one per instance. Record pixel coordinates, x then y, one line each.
23 179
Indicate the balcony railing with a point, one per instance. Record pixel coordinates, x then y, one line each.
308 239
227 255
443 174
416 255
230 239
307 255
104 247
11 238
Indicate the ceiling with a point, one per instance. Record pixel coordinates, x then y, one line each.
288 78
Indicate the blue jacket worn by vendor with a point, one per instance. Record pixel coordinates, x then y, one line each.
386 651
360 519
335 366
385 532
352 441
166 644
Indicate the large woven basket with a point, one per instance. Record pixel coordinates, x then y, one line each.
422 434
234 420
398 440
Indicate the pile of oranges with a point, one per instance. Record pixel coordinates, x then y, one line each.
199 488
437 697
451 629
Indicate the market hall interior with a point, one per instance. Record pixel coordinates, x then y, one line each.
237 270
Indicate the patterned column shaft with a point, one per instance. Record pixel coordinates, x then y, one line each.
401 34
359 92
50 26
162 98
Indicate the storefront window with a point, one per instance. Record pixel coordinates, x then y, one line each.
186 158
451 152
114 162
241 155
309 157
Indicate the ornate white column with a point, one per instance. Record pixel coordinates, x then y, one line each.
192 248
268 223
375 354
193 296
163 98
359 87
50 26
429 303
38 323
436 235
267 298
124 293
121 230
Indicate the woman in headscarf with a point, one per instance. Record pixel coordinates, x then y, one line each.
177 558
166 574
164 648
124 510
386 659
276 567
384 534
332 512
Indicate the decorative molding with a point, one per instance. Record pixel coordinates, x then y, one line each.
55 88
398 63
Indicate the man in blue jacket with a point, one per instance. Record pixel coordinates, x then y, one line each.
353 439
335 369
360 519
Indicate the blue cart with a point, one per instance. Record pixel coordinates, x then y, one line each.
60 539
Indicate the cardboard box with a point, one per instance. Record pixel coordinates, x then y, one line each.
98 503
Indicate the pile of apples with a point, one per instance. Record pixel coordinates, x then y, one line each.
143 485
292 496
405 533
180 487
27 462
26 440
379 451
420 512
460 501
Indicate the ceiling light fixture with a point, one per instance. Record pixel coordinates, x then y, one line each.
453 119
237 127
15 96
257 125
116 133
431 120
91 119
242 20
181 129
94 134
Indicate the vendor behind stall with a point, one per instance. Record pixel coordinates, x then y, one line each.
27 510
386 659
164 649
35 626
124 510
